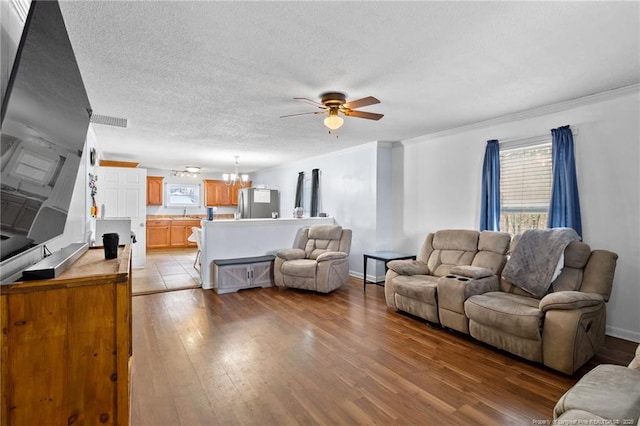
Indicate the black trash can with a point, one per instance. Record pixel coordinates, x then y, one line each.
110 242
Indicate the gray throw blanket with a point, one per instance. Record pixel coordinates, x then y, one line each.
536 257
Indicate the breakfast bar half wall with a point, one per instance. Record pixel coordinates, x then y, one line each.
241 238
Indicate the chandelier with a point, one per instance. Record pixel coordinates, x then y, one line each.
235 178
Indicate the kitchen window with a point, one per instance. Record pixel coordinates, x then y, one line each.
182 195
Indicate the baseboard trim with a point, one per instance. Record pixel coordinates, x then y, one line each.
622 333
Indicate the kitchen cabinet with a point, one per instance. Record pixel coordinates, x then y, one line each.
155 189
180 232
66 345
158 233
165 233
217 193
230 275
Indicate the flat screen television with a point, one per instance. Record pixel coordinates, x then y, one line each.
45 118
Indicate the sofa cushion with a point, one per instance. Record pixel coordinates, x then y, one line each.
490 260
303 268
452 247
505 312
322 238
496 242
456 239
576 256
607 391
417 287
325 232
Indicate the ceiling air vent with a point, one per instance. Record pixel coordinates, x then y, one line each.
109 121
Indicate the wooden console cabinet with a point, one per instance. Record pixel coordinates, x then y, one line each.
66 345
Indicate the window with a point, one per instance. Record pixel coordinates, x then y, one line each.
525 186
182 195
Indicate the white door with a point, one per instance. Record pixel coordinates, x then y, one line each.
122 192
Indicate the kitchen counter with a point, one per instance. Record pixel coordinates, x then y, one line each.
217 216
233 238
174 217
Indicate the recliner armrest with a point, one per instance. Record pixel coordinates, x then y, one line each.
331 255
475 272
291 254
408 267
568 300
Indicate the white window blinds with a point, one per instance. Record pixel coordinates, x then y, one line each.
525 187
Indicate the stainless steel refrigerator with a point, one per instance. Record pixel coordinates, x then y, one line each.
258 202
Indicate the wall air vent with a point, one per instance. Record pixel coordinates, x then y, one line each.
109 121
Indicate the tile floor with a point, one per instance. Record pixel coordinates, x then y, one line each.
166 270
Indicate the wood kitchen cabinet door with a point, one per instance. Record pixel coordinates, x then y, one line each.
234 192
155 189
180 232
217 193
158 233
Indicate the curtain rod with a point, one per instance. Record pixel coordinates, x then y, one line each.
529 141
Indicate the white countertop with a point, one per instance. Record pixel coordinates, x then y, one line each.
263 220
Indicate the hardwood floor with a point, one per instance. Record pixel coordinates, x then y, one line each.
283 357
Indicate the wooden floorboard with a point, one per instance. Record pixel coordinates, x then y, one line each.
278 356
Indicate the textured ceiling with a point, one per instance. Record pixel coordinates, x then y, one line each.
203 81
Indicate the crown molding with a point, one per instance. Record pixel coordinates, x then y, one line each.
532 113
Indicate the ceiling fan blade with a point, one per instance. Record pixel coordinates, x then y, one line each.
362 114
310 101
302 113
369 100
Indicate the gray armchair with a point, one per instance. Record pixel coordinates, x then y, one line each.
318 261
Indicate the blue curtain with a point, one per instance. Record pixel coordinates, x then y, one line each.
564 209
315 186
299 189
490 208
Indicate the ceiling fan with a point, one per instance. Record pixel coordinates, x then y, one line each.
335 103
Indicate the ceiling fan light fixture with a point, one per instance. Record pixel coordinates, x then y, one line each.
333 121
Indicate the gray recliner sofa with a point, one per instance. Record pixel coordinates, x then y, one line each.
457 282
564 328
318 260
412 286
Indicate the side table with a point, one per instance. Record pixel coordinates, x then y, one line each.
383 256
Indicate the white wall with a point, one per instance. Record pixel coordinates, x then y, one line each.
439 179
348 192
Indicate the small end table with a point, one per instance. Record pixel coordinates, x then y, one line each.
383 256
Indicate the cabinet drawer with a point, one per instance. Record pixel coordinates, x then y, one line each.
158 222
